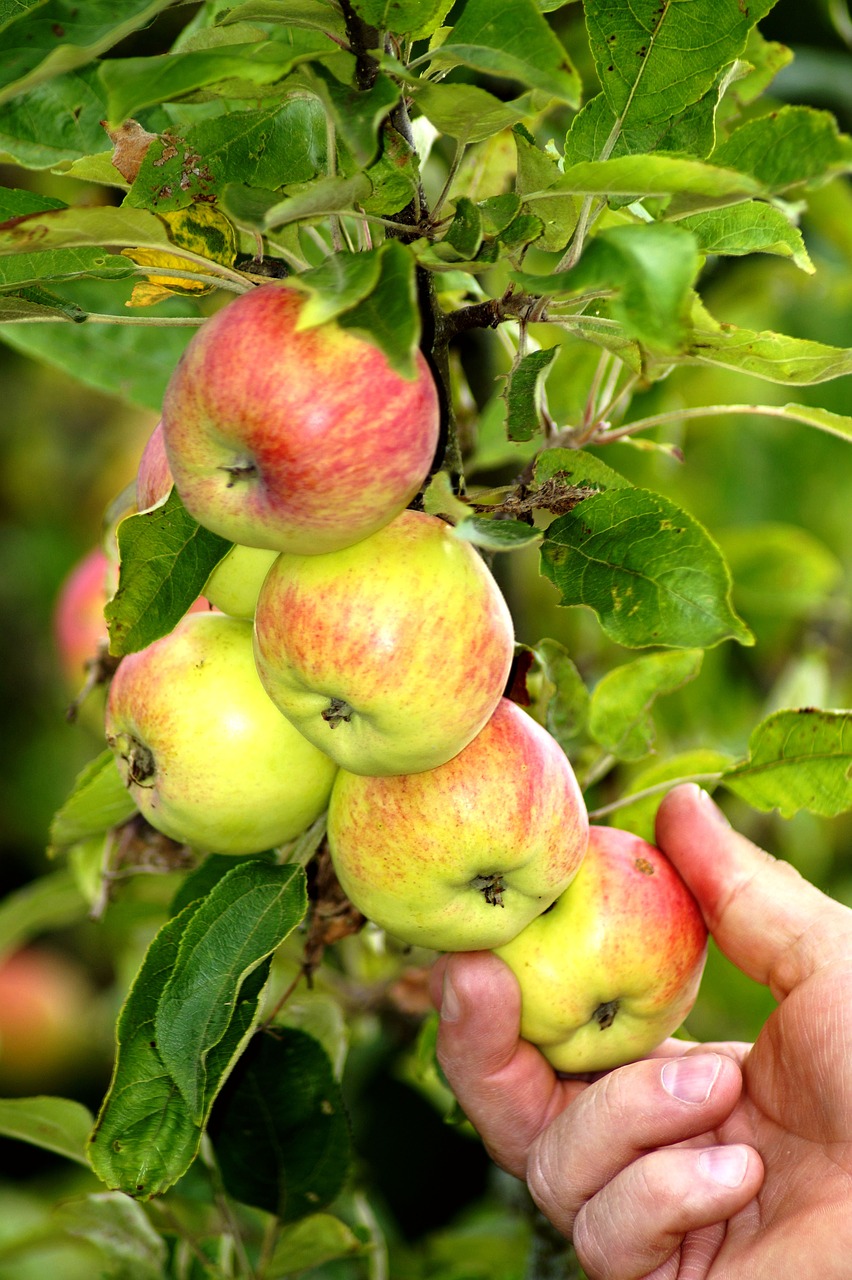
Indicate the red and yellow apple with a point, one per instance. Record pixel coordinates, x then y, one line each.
391 654
79 628
234 584
614 967
207 757
46 1002
464 856
294 439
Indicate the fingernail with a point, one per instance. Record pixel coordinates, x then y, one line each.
690 1079
712 808
725 1165
450 1003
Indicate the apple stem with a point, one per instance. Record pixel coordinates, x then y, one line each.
239 471
605 1013
336 711
138 758
492 888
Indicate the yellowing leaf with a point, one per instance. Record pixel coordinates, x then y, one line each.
201 229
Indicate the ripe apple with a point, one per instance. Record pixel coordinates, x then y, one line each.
464 856
207 757
234 584
79 628
614 967
301 440
46 1028
391 654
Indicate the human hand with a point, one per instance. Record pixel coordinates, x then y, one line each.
702 1161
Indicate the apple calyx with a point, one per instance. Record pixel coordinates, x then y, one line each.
336 711
240 471
492 887
605 1013
139 759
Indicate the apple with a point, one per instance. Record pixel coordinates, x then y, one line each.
294 439
79 628
464 856
391 654
234 584
207 757
46 1001
614 967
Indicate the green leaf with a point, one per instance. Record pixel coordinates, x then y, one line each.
655 59
22 269
655 175
145 1139
57 1124
466 112
798 759
510 38
417 18
86 225
265 210
247 914
37 304
166 558
558 697
268 147
639 815
279 1128
780 570
56 122
389 315
464 234
790 146
775 357
321 15
496 534
836 424
752 227
135 83
524 393
199 883
539 172
51 902
15 203
650 572
337 284
121 1230
65 35
580 468
99 800
620 714
357 113
308 1243
650 268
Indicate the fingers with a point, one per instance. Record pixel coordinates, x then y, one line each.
508 1091
772 924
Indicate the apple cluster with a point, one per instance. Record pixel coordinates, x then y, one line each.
354 660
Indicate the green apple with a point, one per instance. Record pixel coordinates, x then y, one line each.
235 583
464 856
614 967
291 438
208 758
391 654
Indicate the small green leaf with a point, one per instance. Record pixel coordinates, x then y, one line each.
99 800
357 113
166 558
15 203
417 18
57 1124
247 914
497 534
524 393
654 175
310 1242
790 146
279 1128
511 39
752 227
836 424
620 714
639 815
466 112
337 284
37 304
464 234
774 357
265 210
440 500
558 695
48 903
389 315
579 468
650 572
798 759
120 1230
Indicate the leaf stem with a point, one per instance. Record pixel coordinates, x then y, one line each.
451 176
702 411
626 800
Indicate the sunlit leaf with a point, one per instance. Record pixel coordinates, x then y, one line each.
620 713
496 535
56 1124
798 759
789 146
99 800
752 227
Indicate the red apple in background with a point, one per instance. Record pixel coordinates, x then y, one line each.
78 618
46 1002
234 584
208 758
464 856
300 440
391 654
614 967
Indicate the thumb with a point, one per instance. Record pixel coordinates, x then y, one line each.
769 921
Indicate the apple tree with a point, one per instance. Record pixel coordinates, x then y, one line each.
622 256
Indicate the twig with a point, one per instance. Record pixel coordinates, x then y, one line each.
653 791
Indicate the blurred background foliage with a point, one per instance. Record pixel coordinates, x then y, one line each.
774 494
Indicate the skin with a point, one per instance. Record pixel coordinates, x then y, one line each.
294 440
616 964
205 754
419 854
389 655
235 583
704 1162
